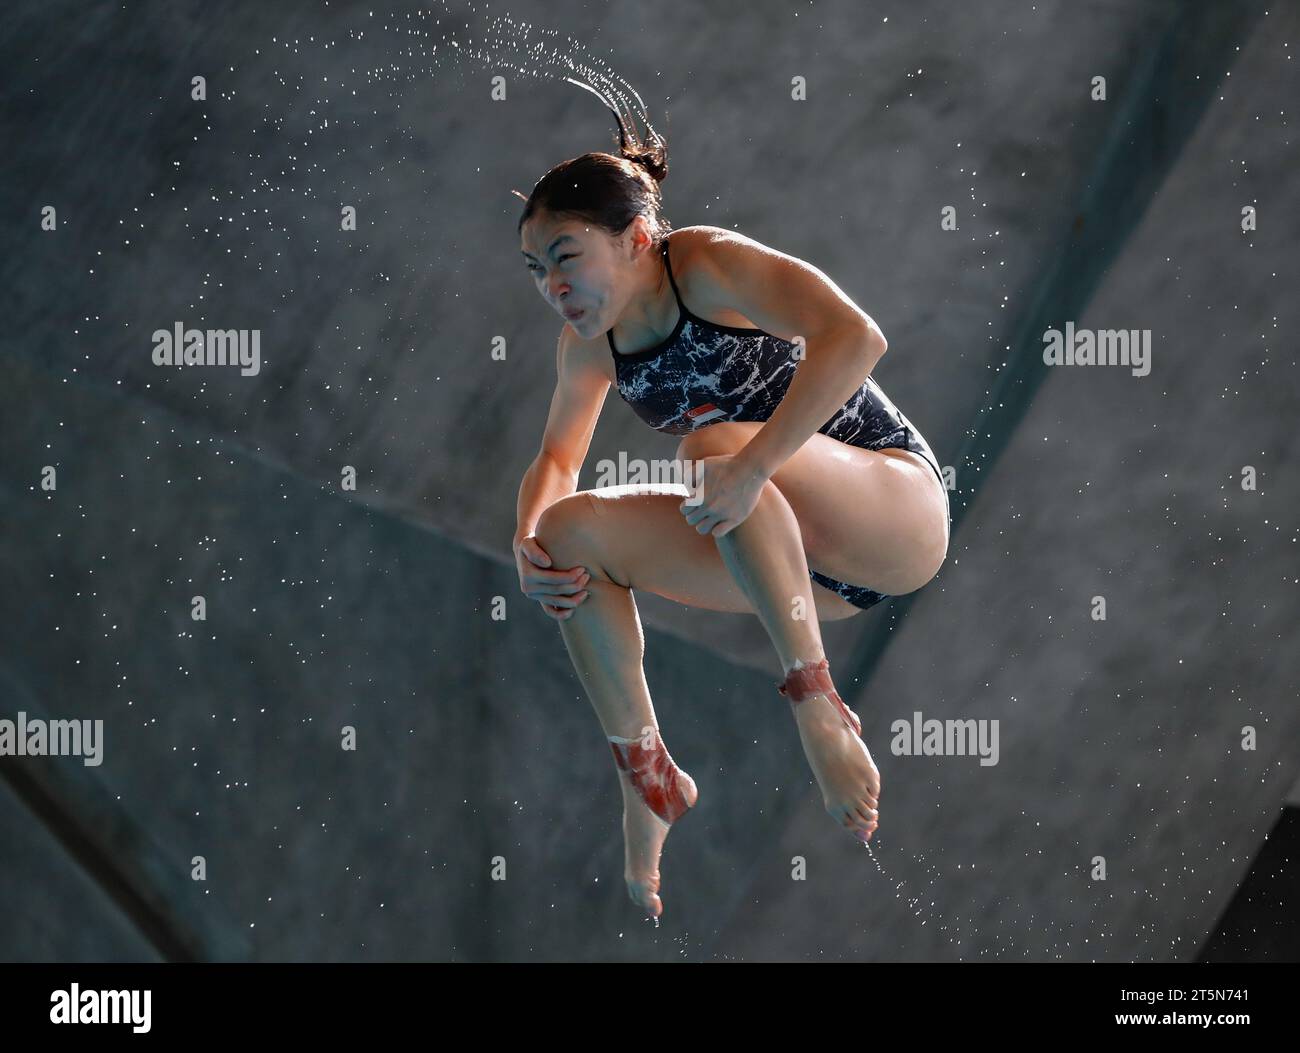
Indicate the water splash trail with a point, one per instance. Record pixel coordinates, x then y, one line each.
505 45
915 903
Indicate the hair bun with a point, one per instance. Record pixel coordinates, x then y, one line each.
654 159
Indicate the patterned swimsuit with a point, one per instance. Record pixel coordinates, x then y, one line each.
705 372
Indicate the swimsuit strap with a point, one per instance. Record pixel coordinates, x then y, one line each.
681 307
673 281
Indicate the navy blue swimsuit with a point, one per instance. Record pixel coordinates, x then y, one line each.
705 372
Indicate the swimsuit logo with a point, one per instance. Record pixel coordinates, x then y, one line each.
700 414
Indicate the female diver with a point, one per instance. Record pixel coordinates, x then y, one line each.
816 496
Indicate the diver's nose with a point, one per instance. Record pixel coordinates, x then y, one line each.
554 285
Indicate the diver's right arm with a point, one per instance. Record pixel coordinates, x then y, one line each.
545 482
580 392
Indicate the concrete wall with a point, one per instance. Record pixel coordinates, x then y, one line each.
371 608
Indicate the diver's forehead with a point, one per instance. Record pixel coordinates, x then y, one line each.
546 237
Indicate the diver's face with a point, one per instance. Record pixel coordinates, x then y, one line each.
575 267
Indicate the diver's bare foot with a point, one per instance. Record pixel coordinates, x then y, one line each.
672 792
849 780
643 839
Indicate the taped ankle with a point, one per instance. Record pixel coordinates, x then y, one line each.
805 682
653 775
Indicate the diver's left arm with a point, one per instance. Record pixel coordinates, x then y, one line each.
835 365
797 302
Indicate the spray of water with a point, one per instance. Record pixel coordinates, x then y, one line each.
508 44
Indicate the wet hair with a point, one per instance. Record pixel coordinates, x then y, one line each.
607 190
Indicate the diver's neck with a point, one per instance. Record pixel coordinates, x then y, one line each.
652 308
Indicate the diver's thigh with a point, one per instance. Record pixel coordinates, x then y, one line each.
868 517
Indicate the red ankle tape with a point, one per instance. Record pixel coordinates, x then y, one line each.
800 685
653 775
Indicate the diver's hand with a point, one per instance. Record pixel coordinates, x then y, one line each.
724 492
558 591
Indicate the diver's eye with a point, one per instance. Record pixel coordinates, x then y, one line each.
567 256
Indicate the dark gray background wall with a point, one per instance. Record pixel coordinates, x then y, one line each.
371 608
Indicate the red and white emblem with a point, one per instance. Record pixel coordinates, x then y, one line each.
700 414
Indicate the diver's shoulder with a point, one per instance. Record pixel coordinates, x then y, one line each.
696 240
697 252
701 261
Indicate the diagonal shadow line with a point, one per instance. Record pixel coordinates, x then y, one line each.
1258 921
114 851
1168 95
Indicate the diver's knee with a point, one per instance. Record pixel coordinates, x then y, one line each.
565 528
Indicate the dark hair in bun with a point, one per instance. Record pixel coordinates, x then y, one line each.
652 156
608 190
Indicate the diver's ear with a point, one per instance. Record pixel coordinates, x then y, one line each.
639 239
